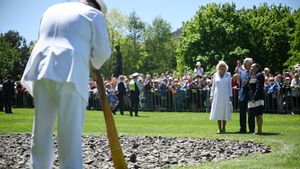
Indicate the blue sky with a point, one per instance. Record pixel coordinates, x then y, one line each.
24 15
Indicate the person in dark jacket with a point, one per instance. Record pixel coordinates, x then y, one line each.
134 94
256 99
121 93
244 94
8 91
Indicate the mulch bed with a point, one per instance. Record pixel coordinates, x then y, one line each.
140 152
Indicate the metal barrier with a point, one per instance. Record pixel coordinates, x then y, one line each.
193 100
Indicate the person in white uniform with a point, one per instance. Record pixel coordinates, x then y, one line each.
221 96
72 35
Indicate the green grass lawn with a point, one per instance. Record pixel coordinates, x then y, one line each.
282 133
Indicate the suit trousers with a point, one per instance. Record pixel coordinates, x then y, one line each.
57 100
251 120
7 100
134 105
243 105
120 105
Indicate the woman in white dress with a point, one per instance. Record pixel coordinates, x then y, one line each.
221 96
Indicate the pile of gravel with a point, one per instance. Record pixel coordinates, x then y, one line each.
140 152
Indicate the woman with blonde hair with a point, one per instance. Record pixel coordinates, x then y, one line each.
221 96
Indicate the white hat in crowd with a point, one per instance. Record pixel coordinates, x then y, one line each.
135 75
198 64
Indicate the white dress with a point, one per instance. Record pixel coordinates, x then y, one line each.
221 91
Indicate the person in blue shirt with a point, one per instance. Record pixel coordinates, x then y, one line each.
243 94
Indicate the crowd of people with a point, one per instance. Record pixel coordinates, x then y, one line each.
190 92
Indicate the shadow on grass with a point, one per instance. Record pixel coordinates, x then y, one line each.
262 134
269 134
127 115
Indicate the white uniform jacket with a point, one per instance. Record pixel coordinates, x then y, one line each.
70 35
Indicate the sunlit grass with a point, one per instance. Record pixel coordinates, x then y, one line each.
283 133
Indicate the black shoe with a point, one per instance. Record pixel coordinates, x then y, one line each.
136 115
242 132
130 114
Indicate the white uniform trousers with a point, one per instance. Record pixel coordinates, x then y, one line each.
54 99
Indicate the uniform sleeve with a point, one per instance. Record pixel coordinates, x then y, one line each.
101 50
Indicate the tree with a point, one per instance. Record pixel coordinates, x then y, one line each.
270 34
159 46
220 32
211 35
8 55
14 54
295 43
132 47
117 23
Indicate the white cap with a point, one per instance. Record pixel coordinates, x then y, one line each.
135 75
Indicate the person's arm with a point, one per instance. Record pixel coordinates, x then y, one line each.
212 90
101 50
236 70
259 85
230 87
293 83
123 88
13 90
241 82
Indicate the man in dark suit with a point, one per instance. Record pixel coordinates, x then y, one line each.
256 99
121 93
134 94
244 94
8 91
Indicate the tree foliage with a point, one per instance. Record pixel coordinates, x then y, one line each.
159 46
14 53
268 34
271 30
145 47
116 25
221 32
295 43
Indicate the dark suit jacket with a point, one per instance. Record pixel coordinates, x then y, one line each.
256 90
121 89
244 88
8 89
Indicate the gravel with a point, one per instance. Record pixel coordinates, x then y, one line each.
140 152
